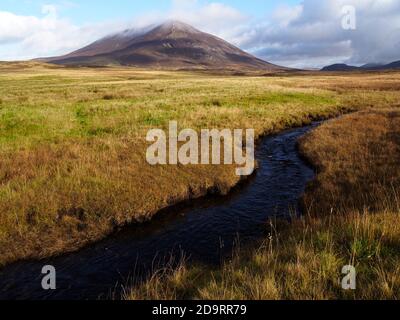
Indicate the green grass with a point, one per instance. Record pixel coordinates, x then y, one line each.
73 140
351 219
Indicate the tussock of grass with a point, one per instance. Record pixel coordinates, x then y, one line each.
355 155
301 261
368 176
72 149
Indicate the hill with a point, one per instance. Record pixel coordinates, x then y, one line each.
172 45
366 67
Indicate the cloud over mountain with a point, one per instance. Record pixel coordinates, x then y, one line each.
171 45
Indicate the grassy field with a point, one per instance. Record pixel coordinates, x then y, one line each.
72 141
353 218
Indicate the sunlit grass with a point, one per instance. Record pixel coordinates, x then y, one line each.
72 142
352 219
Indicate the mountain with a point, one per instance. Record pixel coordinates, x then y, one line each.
372 65
105 45
393 65
172 45
339 67
365 67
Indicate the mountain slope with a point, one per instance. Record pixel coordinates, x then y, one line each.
172 45
366 67
339 67
393 65
372 65
106 45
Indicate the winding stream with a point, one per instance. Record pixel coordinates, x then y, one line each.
206 232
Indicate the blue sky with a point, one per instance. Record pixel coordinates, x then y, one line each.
90 11
295 33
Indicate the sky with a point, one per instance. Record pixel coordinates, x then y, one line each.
295 33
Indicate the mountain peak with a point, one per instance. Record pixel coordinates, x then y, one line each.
175 29
171 45
178 26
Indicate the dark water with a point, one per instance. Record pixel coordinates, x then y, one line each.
206 231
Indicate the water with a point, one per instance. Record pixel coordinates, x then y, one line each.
204 231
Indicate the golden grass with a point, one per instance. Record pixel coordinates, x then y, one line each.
366 177
72 148
301 261
357 157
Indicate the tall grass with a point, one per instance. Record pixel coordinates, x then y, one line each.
354 223
72 142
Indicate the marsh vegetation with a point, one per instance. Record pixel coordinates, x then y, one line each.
351 218
72 141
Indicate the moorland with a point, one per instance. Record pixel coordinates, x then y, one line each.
73 150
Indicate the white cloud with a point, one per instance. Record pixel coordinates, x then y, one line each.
26 37
212 17
306 35
312 35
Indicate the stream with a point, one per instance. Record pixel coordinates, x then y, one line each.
204 230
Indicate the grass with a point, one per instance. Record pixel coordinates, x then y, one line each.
368 176
72 141
353 217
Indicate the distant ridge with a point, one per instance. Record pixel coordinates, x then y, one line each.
171 45
339 67
366 67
